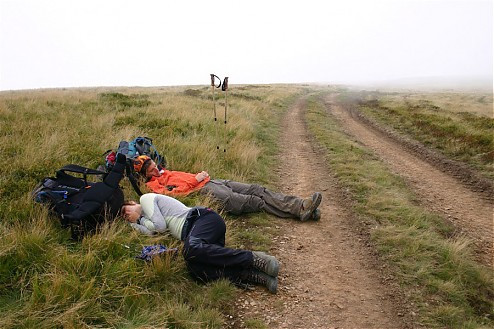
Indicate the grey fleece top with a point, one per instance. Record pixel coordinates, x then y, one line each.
159 213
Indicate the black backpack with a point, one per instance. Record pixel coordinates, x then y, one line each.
131 150
82 205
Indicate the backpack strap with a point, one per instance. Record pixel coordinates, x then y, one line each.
160 160
133 181
81 170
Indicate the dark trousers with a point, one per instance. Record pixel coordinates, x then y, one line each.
205 253
239 198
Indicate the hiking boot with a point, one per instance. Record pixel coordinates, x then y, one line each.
262 278
309 206
316 215
265 263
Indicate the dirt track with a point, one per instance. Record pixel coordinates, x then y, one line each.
470 212
329 276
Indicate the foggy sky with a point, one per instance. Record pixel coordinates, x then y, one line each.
157 43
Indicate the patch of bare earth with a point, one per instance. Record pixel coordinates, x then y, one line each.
470 211
329 277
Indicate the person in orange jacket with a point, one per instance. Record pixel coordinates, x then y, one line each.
237 198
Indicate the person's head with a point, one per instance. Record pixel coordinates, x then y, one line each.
131 211
145 166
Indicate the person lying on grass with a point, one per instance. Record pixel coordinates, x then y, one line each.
203 232
236 198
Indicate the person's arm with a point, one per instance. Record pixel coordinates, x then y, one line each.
140 223
156 187
181 183
142 229
180 190
152 219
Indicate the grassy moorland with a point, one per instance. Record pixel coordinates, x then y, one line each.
437 270
50 281
458 125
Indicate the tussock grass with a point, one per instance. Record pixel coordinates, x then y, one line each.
434 265
48 280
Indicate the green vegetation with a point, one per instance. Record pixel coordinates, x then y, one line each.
436 269
50 281
460 128
255 324
122 100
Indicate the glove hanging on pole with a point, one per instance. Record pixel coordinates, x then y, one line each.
224 87
213 86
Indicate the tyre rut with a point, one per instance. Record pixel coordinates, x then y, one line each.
329 276
470 212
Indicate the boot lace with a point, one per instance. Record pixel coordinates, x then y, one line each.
257 277
260 263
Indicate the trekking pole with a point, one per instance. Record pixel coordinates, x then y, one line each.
213 86
225 89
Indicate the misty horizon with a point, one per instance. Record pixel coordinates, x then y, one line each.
111 44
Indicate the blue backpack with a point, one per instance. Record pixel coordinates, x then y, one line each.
136 147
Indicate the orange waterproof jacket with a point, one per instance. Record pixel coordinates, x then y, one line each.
175 183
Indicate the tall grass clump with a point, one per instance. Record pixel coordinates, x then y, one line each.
48 280
432 263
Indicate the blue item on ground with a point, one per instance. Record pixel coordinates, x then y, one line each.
148 252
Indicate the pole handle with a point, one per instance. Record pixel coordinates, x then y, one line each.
224 87
213 82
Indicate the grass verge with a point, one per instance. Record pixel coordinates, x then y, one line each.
435 268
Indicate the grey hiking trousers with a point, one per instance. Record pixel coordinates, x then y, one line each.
238 198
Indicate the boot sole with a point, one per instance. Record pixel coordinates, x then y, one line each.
274 269
273 287
316 215
315 203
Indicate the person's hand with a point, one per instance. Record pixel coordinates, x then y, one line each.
131 216
202 176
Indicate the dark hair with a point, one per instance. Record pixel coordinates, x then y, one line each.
126 203
145 167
